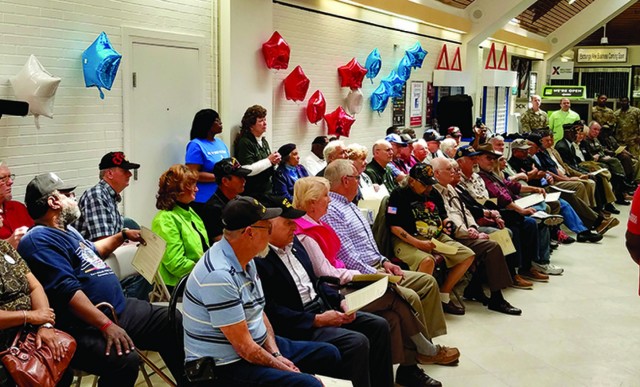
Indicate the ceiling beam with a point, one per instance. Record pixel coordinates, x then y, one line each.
490 16
583 24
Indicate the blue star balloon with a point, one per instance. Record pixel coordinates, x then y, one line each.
416 54
394 84
404 67
100 64
373 64
379 98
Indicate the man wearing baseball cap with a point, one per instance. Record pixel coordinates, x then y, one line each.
75 278
224 311
231 178
433 138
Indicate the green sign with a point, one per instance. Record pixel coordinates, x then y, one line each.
571 92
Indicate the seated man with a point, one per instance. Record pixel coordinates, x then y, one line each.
298 311
16 218
488 253
315 161
413 217
75 279
433 138
612 147
358 248
334 150
224 311
379 169
231 177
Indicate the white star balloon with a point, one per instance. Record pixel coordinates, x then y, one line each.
36 86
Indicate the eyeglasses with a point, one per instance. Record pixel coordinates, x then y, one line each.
357 177
269 228
6 178
69 194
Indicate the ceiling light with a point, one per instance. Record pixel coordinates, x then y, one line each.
604 39
571 1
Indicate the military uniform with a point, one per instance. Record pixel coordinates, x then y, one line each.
603 115
628 132
533 120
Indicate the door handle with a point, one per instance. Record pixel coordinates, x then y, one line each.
135 174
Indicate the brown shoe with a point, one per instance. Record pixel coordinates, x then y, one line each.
535 275
606 225
521 283
445 356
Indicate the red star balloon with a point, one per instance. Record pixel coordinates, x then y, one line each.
296 85
316 107
276 52
339 122
352 74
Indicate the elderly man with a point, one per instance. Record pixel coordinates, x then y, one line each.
335 150
628 126
562 117
433 138
419 152
224 311
16 218
358 249
315 161
402 146
534 117
379 170
415 218
75 278
231 178
466 231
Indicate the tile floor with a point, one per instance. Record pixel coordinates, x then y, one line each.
580 329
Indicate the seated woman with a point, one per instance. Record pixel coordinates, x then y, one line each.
24 303
311 194
178 224
288 172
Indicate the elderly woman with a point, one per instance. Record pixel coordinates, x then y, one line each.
204 151
288 172
178 224
23 302
253 152
311 194
358 154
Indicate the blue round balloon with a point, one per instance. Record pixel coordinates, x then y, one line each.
394 84
100 64
404 67
416 54
379 98
373 64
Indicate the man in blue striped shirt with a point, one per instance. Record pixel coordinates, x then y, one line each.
223 310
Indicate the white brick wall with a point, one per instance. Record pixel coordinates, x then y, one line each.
84 127
320 44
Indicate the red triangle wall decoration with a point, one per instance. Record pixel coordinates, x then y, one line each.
502 64
491 58
443 55
455 62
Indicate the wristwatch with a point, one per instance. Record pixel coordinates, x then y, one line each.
47 325
124 235
276 354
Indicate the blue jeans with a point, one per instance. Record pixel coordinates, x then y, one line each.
571 219
525 239
309 357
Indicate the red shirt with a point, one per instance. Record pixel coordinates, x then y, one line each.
633 225
15 216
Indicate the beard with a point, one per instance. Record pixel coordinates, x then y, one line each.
264 252
69 214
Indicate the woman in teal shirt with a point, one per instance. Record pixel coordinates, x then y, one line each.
178 224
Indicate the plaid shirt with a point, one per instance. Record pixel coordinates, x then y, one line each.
358 249
100 217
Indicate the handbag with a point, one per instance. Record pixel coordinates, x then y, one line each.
31 367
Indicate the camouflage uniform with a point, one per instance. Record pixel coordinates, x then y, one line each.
628 129
533 120
603 115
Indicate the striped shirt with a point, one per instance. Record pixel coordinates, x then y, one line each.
358 249
220 293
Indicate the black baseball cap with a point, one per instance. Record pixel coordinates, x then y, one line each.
432 135
41 186
229 167
288 211
116 159
423 173
244 211
465 151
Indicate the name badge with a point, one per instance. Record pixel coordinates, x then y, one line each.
9 259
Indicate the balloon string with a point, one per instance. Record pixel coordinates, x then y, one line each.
36 119
101 93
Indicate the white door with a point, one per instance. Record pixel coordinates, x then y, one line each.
165 95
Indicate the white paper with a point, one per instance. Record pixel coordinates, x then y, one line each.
562 189
363 297
597 172
530 200
149 256
552 197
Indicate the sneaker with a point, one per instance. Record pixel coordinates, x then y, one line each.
549 268
534 275
548 219
521 283
589 236
564 238
553 244
444 356
607 225
414 376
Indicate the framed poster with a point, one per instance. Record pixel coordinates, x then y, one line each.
417 97
399 108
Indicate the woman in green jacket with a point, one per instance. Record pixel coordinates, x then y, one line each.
178 224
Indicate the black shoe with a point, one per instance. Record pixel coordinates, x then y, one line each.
610 208
623 202
589 236
503 306
553 244
414 376
477 295
452 308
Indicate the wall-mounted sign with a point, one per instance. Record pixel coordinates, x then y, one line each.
564 92
605 54
397 118
561 70
417 96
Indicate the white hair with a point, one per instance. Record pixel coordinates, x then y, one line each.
447 144
338 169
331 147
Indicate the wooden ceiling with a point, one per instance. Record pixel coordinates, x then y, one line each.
623 30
